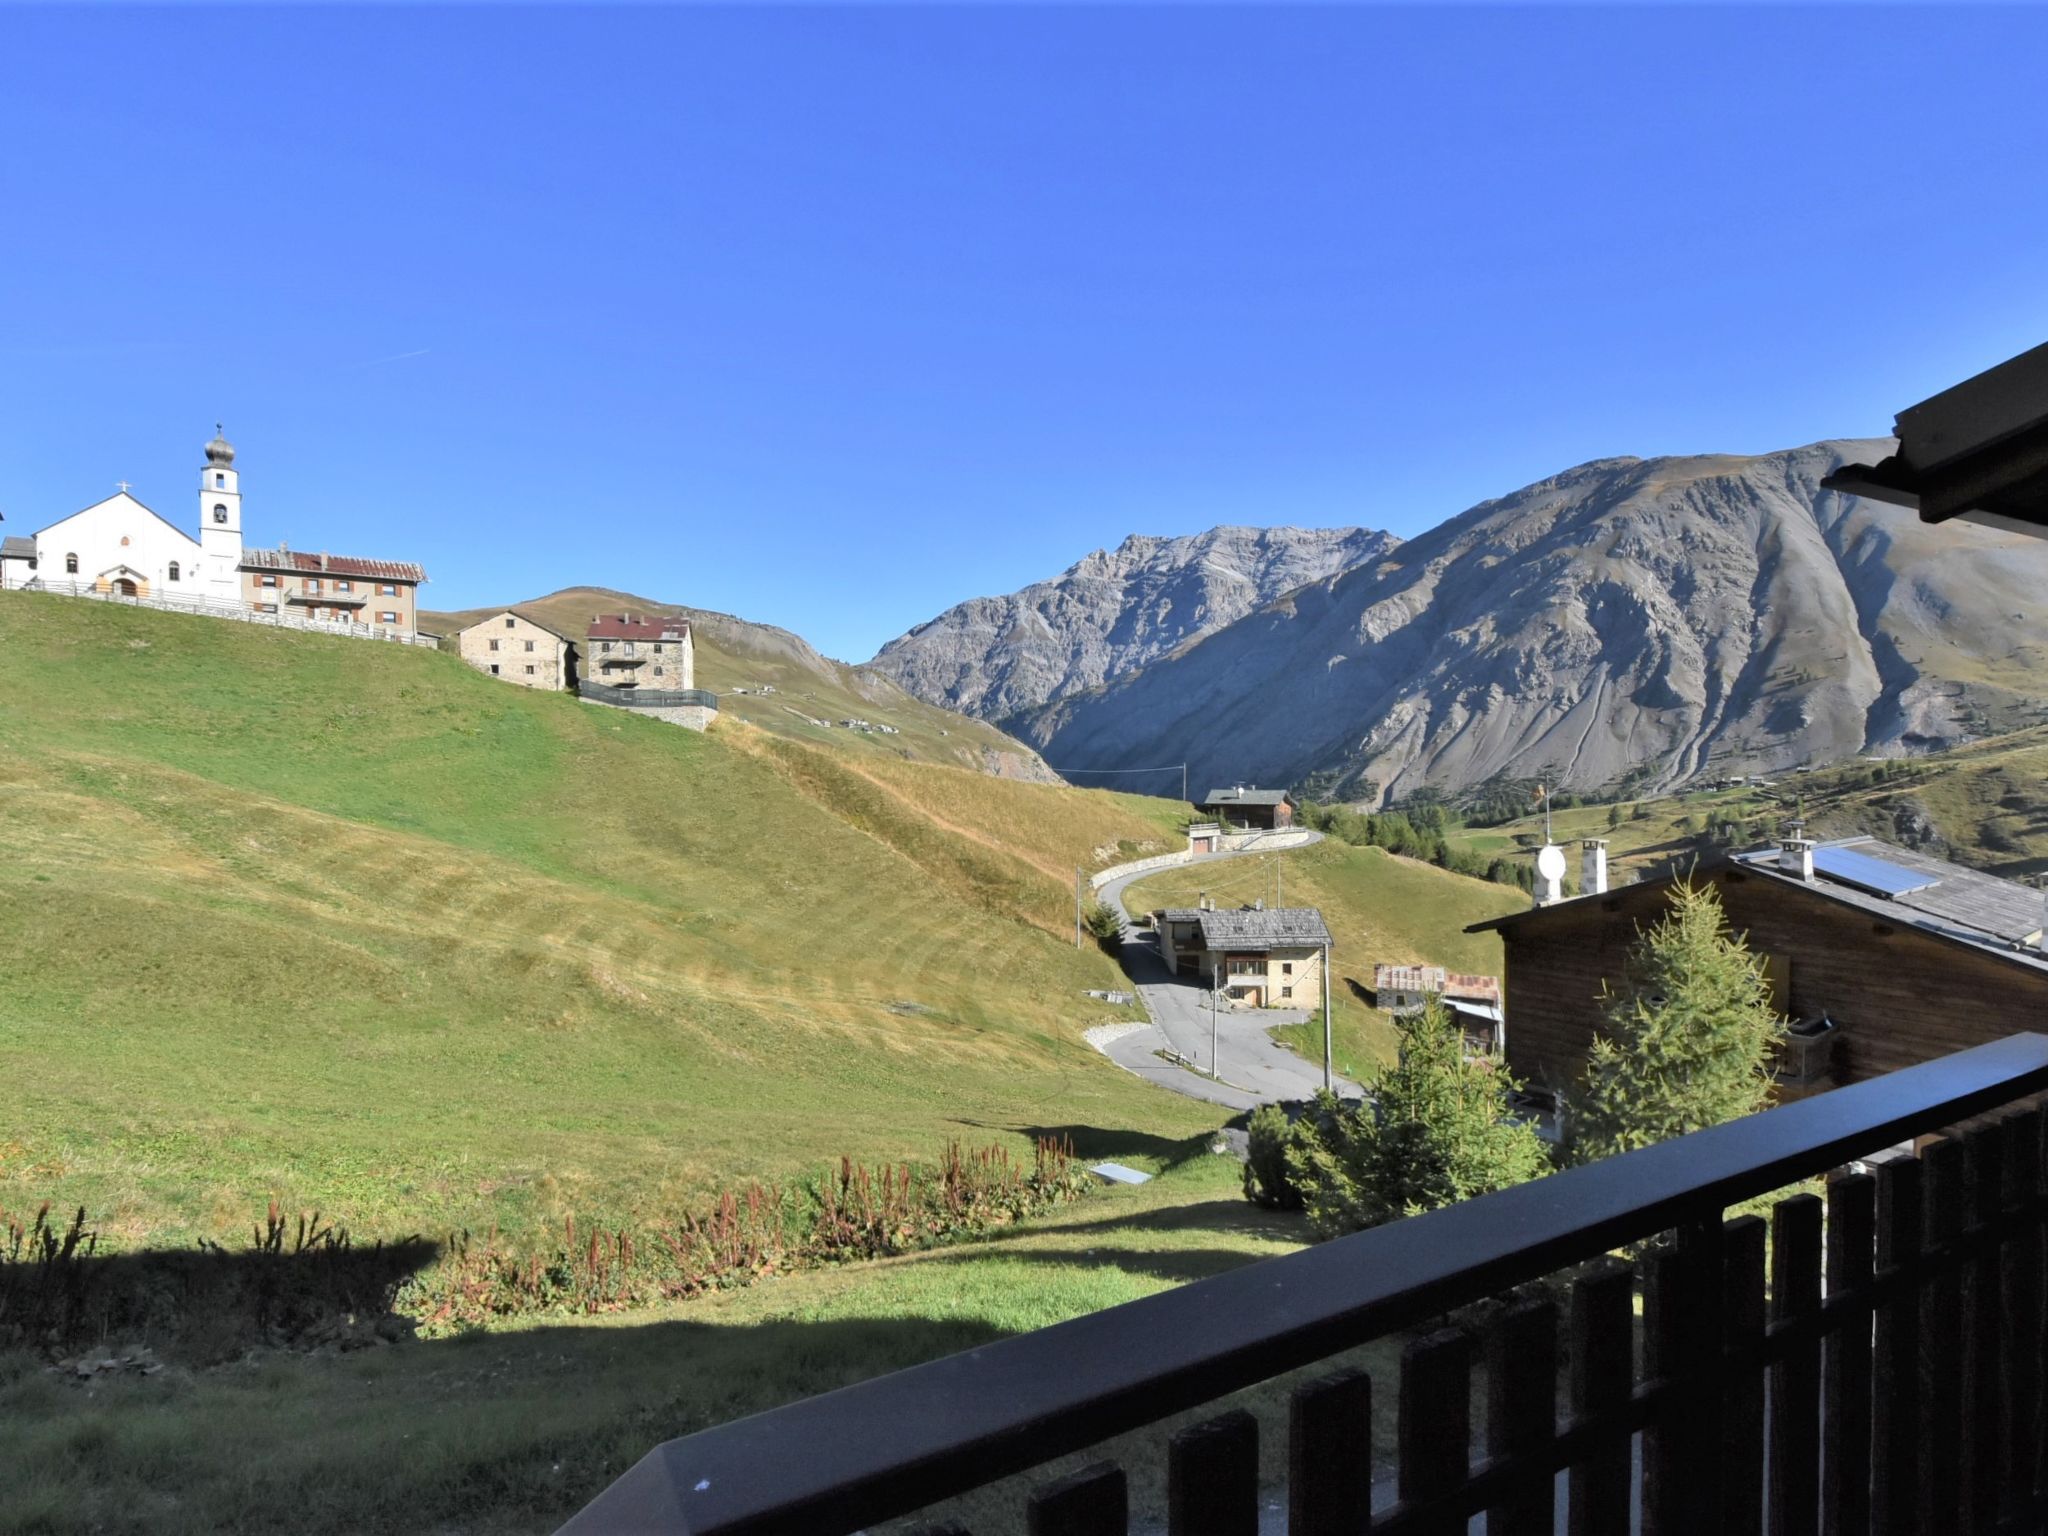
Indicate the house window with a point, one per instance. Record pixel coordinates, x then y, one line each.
494 669
266 607
71 565
344 586
387 618
658 672
529 645
510 622
220 513
529 671
1287 968
1287 991
266 581
174 570
494 645
607 645
387 590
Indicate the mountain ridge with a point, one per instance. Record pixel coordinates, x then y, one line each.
1638 620
1112 610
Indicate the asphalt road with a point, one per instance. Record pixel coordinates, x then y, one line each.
1237 1063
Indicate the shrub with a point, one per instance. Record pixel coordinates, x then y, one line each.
1434 1128
1265 1169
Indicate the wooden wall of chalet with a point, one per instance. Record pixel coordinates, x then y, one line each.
1901 996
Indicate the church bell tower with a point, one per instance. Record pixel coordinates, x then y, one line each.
220 519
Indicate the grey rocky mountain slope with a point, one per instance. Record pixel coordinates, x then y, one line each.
1116 610
1662 618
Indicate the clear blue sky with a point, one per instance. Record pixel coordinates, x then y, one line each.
832 318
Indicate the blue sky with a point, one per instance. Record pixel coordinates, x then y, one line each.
831 318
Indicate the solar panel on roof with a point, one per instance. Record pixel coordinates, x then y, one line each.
1868 874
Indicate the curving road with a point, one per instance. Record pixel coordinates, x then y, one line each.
1251 1068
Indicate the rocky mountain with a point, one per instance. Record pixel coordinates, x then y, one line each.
997 657
1634 620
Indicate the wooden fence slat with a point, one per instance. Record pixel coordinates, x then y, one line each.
1329 1456
2023 1301
1092 1502
1741 1474
1212 1478
1671 1340
1602 1375
1984 1437
1795 1379
1896 1430
1435 1439
1845 1382
1521 1409
1941 1344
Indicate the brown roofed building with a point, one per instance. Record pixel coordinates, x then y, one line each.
382 593
1881 957
626 651
1247 806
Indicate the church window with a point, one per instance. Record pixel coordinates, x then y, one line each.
71 565
220 514
174 570
220 482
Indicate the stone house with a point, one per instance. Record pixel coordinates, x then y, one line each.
625 651
1261 957
521 650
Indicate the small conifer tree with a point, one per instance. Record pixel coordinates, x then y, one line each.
1433 1129
1687 1039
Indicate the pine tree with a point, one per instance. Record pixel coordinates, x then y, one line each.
1433 1129
1687 1040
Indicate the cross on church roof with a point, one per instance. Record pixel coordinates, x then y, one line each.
122 486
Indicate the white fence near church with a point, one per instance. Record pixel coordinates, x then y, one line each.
217 608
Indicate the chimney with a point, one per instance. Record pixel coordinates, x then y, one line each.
1593 867
1795 855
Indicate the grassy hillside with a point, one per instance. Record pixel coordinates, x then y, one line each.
515 1429
358 927
1985 805
1380 908
733 654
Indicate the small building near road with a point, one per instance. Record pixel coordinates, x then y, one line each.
1880 956
1247 806
521 650
1474 1001
1259 957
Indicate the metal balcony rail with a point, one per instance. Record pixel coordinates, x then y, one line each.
1898 1345
242 612
646 698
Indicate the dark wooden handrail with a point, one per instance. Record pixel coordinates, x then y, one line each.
883 1448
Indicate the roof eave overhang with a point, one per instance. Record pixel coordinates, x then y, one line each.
1978 452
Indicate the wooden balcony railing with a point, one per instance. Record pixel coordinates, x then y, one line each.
1886 1375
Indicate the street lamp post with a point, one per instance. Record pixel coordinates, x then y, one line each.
1327 1080
1215 985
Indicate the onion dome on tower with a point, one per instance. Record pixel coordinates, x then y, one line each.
220 450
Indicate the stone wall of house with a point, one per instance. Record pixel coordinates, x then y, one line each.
694 717
513 645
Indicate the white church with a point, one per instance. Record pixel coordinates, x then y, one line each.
120 548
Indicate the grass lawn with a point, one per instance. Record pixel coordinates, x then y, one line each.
513 1429
1380 908
358 928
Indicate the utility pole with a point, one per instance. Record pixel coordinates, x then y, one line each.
1215 985
1078 878
1327 1080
